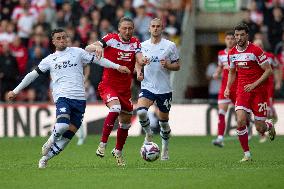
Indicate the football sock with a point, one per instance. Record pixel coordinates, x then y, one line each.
109 122
221 123
58 130
165 131
59 145
122 133
242 133
144 119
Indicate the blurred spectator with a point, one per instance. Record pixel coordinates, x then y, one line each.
25 26
37 89
41 21
74 37
275 27
173 28
253 27
8 71
50 14
7 7
108 10
280 45
95 19
119 14
214 84
128 9
105 28
23 6
21 53
255 15
83 30
142 22
8 34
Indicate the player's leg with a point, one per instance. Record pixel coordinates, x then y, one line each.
77 110
144 102
122 134
81 135
222 110
58 146
110 97
259 109
164 106
61 125
242 132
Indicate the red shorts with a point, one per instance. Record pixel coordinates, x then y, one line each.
108 94
223 100
255 102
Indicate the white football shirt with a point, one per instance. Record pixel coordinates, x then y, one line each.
156 78
66 71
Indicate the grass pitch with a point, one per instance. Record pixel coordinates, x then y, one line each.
194 163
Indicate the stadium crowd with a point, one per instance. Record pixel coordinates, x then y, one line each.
25 27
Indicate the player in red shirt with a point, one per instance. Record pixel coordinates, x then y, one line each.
223 102
253 72
114 88
274 83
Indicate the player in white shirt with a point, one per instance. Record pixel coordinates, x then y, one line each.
162 58
66 70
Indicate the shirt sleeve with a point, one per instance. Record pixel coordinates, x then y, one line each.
43 66
138 47
231 63
87 57
105 41
174 56
261 58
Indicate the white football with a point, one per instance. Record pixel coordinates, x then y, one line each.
150 151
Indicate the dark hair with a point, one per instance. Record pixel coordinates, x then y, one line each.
125 19
59 30
242 26
230 32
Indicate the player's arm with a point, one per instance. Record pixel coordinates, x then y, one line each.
218 72
139 71
97 48
231 78
278 75
169 65
30 77
267 72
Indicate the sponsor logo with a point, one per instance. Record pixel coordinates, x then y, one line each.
62 109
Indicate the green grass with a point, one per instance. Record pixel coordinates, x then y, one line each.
194 163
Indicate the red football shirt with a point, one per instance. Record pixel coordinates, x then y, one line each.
122 53
247 63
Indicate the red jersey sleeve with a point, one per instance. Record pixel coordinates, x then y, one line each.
105 40
231 63
138 47
261 58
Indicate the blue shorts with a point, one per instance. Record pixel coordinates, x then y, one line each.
74 108
163 101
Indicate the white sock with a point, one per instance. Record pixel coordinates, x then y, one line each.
247 154
220 137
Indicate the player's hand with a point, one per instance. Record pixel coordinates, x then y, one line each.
145 60
140 76
215 76
164 63
11 95
124 69
249 87
277 86
95 48
227 93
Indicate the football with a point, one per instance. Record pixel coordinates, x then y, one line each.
150 151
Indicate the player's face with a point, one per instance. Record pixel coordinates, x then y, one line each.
156 28
241 37
230 41
60 41
126 30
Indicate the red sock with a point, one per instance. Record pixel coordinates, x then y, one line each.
242 133
121 138
221 125
108 125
